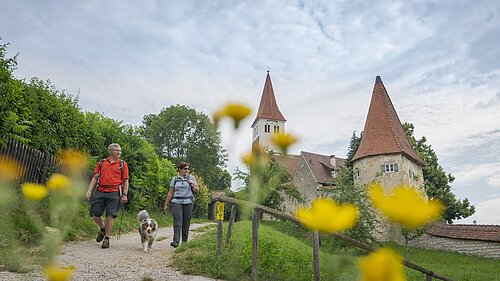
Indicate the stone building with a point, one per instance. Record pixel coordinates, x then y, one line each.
312 174
385 154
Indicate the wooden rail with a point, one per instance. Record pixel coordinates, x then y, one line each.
255 224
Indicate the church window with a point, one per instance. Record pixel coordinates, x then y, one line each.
267 128
389 168
276 129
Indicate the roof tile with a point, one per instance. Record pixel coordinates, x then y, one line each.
466 231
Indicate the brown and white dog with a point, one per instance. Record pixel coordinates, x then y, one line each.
148 229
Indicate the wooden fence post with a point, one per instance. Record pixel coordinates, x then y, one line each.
428 277
230 225
255 245
220 219
316 255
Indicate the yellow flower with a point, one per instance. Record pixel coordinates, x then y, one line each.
248 158
9 169
382 265
327 216
283 141
57 273
58 182
74 160
236 111
34 191
405 206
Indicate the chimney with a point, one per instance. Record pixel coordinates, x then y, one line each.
333 161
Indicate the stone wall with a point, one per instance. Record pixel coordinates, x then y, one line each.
369 170
488 249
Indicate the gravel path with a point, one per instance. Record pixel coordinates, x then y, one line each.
124 260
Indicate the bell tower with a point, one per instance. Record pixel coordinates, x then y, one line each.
269 119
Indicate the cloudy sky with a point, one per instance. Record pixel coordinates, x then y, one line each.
439 60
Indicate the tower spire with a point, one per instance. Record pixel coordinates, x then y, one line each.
383 132
268 108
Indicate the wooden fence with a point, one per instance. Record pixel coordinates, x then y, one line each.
257 209
35 165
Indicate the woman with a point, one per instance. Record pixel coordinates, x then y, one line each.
181 195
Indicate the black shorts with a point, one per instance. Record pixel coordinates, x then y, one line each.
105 201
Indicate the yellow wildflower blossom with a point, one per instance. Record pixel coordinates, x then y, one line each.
405 206
74 160
34 191
328 216
283 141
58 182
248 158
382 265
57 273
9 169
235 111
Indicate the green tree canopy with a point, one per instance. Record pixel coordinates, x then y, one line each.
37 113
180 133
436 181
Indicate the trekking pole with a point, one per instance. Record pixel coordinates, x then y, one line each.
121 220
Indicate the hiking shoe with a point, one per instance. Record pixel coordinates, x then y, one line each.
174 244
105 243
100 236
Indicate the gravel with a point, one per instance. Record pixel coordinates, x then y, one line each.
124 260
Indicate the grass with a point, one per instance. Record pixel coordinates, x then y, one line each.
454 265
281 257
287 255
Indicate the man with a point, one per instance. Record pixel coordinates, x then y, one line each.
111 179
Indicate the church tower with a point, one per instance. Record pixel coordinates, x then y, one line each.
385 154
269 119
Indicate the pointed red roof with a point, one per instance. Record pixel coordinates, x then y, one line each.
383 133
268 108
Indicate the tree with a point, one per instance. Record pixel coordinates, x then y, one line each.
180 133
353 147
12 123
436 181
348 192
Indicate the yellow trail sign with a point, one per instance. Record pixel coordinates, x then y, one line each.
220 211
